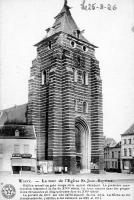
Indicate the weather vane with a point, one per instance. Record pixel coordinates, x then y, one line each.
65 2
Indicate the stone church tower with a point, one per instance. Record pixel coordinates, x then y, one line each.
65 98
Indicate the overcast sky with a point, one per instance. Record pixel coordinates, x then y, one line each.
23 23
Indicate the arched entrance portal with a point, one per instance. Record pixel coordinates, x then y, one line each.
83 145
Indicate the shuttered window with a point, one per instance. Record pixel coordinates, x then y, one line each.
16 148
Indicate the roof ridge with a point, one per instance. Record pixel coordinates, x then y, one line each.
13 107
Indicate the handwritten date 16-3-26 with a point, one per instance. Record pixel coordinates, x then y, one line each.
94 6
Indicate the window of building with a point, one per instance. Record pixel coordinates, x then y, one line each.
84 48
125 141
73 44
85 78
104 155
1 148
49 45
106 164
125 152
17 133
85 107
78 60
26 148
75 105
129 141
112 164
112 154
126 164
77 33
116 164
16 148
43 77
118 154
130 151
75 75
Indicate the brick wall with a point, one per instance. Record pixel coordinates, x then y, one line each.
51 105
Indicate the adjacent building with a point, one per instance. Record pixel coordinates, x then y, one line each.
17 148
127 151
112 158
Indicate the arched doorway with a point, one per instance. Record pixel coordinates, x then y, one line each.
82 144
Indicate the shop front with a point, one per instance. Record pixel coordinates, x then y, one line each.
128 165
23 163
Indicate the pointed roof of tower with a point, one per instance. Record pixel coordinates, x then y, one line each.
64 22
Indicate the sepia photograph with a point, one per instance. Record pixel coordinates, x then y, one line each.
66 99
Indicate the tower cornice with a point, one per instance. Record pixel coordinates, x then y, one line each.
69 36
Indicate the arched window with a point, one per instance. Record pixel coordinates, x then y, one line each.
78 60
49 45
75 105
75 75
85 107
85 78
43 77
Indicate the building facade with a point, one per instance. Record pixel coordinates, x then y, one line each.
65 98
127 151
112 158
17 149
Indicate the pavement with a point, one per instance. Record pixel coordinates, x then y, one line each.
106 175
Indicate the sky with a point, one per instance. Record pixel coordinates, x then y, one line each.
23 24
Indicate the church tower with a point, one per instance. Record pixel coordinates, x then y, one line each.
65 98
